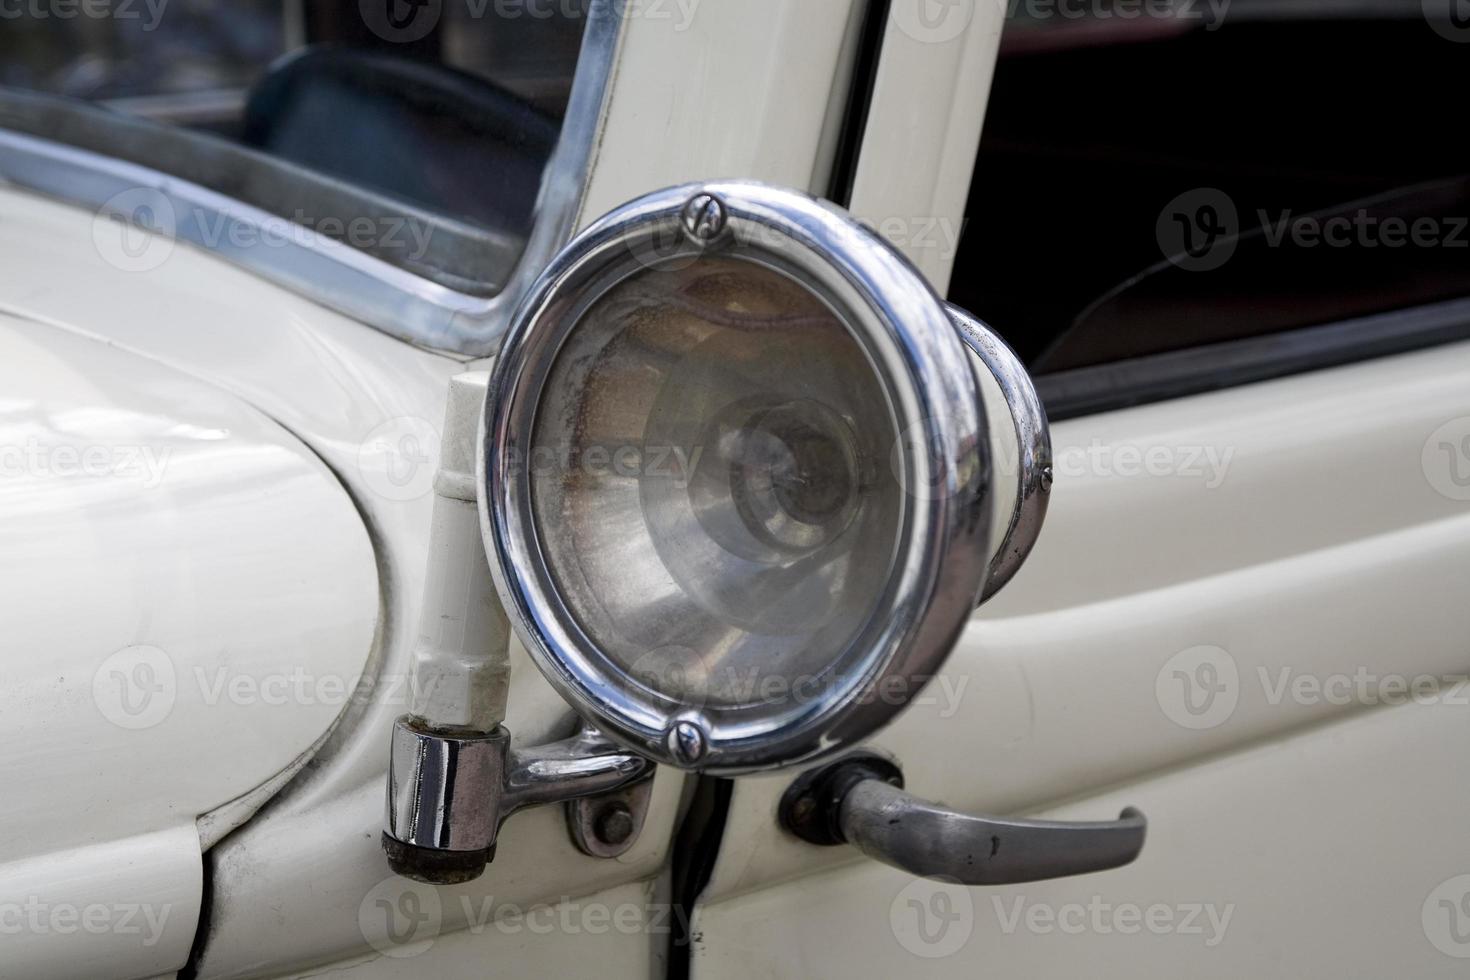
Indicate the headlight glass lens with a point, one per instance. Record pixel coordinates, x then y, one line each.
711 484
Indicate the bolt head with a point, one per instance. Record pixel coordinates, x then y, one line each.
687 742
704 217
614 825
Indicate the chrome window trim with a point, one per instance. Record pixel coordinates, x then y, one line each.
1118 385
334 274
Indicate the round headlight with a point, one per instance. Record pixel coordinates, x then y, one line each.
735 477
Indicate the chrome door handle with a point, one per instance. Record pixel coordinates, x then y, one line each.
860 801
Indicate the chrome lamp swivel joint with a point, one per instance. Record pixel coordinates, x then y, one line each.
448 795
453 777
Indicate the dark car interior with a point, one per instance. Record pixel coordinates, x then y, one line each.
1342 113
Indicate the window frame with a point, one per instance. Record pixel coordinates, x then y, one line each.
417 305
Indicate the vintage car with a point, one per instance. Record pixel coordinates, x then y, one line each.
727 488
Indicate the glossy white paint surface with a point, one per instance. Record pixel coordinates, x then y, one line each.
620 932
190 599
1322 855
752 89
923 131
125 908
1323 546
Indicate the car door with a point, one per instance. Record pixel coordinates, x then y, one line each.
1244 615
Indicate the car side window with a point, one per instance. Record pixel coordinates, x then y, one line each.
417 133
1240 173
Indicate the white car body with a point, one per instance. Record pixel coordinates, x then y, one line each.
1294 834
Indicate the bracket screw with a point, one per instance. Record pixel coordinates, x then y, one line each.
704 217
687 743
614 825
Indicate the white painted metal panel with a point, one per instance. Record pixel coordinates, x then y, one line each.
741 90
1325 541
189 602
1340 852
124 909
918 153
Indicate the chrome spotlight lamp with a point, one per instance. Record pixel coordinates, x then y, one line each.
736 470
744 479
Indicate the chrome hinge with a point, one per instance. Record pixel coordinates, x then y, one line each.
449 794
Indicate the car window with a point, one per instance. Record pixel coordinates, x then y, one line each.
1160 179
417 132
